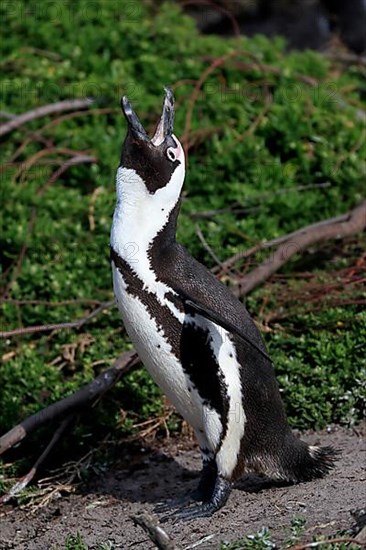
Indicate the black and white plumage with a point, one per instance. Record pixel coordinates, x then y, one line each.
194 336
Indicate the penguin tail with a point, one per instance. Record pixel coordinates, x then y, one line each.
306 462
318 462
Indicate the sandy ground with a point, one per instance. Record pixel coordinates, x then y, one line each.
102 512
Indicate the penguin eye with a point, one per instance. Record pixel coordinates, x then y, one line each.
170 153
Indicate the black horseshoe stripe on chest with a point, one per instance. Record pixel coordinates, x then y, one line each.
190 343
164 318
199 361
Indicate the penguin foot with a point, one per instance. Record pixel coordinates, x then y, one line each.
203 493
206 486
172 504
218 499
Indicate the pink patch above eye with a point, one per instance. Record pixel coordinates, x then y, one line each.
179 151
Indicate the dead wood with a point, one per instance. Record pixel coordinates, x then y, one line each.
25 480
45 110
158 536
72 403
334 228
57 326
316 544
361 537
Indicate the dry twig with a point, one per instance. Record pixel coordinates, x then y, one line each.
316 544
158 536
45 110
74 402
57 326
25 480
334 228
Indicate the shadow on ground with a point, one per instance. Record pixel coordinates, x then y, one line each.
103 511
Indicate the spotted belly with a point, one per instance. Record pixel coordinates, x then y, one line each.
194 363
157 353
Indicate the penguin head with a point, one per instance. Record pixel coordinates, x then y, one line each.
156 162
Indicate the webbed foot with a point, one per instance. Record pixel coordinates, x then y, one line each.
172 504
218 498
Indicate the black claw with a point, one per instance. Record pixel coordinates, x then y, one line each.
203 511
219 496
171 504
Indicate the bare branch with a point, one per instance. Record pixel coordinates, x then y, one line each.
79 159
361 537
158 536
316 544
278 240
57 326
86 395
337 228
347 57
45 110
25 480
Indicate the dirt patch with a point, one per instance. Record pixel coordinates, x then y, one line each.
102 513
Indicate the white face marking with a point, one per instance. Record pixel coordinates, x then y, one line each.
139 216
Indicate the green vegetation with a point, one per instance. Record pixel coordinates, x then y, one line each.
262 540
76 542
275 144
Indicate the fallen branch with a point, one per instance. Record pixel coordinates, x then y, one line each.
275 242
45 110
361 537
85 396
335 228
347 57
278 71
25 480
316 544
158 536
57 326
78 159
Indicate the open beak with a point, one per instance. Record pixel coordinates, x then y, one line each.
165 126
133 121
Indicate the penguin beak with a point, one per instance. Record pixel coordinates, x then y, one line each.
133 121
165 126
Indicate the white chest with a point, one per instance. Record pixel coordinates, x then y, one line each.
166 369
156 353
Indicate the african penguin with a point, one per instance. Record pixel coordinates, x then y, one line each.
194 336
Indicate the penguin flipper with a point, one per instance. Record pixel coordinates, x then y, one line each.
218 319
